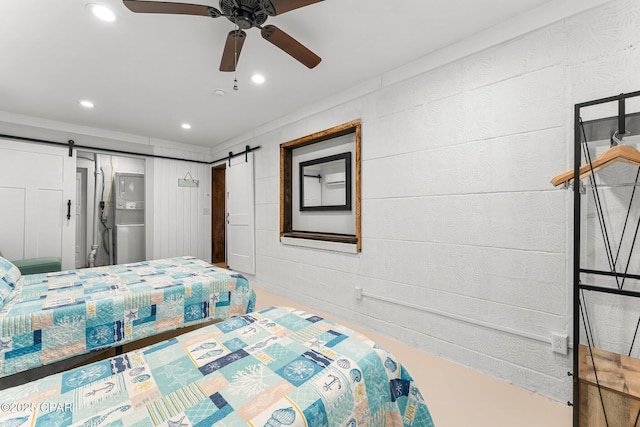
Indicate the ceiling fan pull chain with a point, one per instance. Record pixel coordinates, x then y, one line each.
235 58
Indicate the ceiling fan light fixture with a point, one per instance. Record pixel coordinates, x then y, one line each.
102 12
87 104
257 78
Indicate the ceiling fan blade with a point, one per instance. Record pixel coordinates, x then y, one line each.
284 41
173 8
278 7
232 49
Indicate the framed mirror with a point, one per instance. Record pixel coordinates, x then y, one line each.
319 219
325 183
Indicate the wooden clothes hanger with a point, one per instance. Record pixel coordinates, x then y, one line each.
619 153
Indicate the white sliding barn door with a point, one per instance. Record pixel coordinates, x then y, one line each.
36 183
240 215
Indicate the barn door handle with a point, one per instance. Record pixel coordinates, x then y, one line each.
69 210
227 217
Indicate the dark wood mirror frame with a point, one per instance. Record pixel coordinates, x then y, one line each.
346 160
286 184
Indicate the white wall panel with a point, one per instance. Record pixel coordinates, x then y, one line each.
429 87
267 217
409 130
181 215
529 53
503 220
607 30
270 166
263 194
522 162
533 101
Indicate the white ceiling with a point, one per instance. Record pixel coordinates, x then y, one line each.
148 73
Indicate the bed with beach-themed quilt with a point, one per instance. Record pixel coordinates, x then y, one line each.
274 367
49 317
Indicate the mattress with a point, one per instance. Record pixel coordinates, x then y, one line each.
274 367
54 316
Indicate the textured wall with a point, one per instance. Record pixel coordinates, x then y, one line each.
459 219
181 216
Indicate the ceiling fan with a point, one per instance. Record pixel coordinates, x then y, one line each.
245 14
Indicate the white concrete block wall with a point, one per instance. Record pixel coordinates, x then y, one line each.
458 215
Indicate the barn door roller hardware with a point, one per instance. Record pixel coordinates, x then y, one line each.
231 155
71 145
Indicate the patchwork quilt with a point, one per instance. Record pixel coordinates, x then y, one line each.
53 316
275 367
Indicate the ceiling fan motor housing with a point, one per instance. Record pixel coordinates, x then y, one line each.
244 13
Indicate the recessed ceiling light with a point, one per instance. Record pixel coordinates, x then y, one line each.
87 104
102 12
257 79
186 126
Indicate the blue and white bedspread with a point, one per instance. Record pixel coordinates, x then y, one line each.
54 316
275 367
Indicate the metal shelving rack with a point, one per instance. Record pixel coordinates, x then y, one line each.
622 122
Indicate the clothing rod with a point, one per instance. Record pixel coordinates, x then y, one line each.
603 119
71 144
601 130
605 290
610 273
610 186
608 99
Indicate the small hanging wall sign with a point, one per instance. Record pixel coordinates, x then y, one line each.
188 181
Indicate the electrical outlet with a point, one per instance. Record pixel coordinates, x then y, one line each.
560 343
358 292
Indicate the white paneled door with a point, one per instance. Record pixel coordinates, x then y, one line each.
37 182
240 215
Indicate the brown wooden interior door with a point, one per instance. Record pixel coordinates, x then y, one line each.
218 212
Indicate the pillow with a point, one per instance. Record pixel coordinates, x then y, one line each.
5 292
9 272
